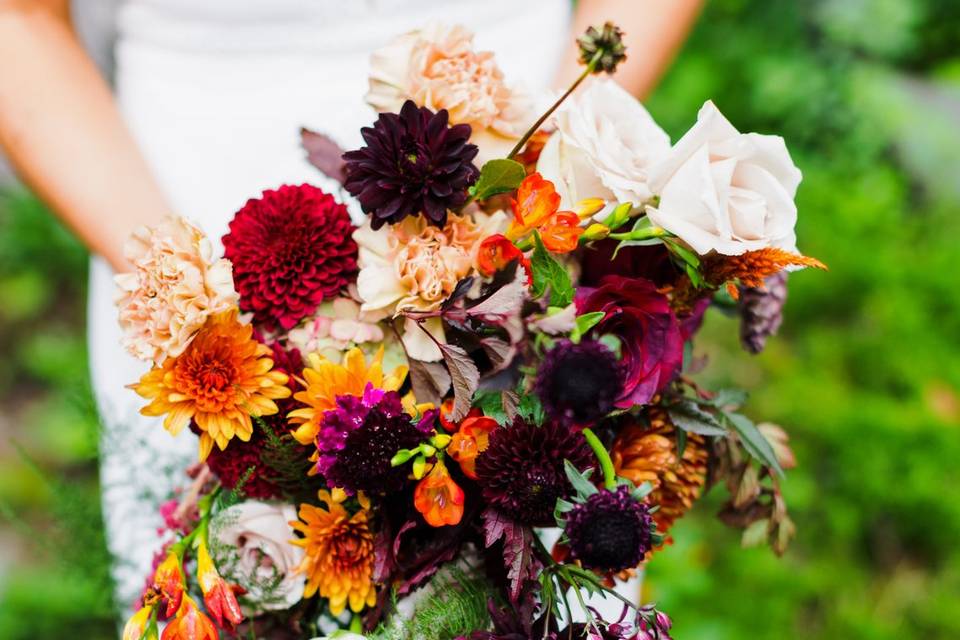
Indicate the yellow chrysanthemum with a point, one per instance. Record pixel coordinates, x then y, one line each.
338 553
222 378
324 380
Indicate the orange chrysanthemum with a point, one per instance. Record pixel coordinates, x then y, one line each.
222 379
324 381
339 554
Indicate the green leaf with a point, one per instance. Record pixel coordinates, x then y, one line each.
688 256
755 534
580 481
498 176
729 398
692 419
584 323
548 273
753 441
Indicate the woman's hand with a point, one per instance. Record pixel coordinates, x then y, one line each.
62 131
653 32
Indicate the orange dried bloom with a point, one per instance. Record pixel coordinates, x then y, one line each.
470 441
562 232
752 267
438 498
338 554
190 624
222 378
536 201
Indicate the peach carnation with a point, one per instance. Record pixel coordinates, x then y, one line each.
175 286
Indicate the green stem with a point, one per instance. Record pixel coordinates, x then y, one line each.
643 234
606 464
536 125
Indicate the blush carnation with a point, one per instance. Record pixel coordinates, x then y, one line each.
291 249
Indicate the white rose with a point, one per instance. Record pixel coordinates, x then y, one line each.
250 542
603 147
725 191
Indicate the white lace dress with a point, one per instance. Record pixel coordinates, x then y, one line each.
215 92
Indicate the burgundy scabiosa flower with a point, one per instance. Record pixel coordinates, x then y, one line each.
357 440
610 531
640 316
521 471
291 249
579 383
413 163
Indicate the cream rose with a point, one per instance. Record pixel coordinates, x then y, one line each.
725 191
603 147
250 543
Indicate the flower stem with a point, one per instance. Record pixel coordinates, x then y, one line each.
606 464
536 125
643 234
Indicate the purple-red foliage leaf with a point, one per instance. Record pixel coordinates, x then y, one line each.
518 556
504 303
465 377
324 154
499 352
430 381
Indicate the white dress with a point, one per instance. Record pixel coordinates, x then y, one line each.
215 93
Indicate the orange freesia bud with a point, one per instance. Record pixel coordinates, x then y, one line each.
137 624
219 597
470 441
190 624
536 200
496 252
562 232
438 497
169 582
447 408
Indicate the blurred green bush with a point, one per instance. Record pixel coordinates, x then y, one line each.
866 376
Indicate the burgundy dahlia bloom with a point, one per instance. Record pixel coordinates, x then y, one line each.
291 249
413 163
640 316
521 471
579 383
233 464
611 531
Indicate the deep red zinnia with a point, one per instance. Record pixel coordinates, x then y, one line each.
640 316
291 249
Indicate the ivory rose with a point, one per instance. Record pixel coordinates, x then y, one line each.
603 147
725 191
174 287
438 68
415 266
250 542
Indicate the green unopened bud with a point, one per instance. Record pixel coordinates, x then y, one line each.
605 45
419 466
441 440
402 457
596 231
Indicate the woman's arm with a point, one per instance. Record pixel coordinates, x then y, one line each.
62 131
653 32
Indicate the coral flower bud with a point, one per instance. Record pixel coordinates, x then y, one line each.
168 579
219 597
190 624
137 624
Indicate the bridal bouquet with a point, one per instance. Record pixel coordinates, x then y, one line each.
391 414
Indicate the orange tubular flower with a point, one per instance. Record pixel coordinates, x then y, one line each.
470 441
168 580
219 597
496 252
536 201
338 554
562 232
438 498
137 624
222 378
190 624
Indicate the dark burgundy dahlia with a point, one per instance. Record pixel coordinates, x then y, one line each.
521 472
241 461
291 249
358 439
651 341
610 532
579 383
413 163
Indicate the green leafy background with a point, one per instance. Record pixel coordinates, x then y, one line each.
866 375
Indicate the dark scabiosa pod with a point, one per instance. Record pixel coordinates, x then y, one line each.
413 163
605 44
579 382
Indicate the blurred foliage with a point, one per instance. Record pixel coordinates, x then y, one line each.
866 376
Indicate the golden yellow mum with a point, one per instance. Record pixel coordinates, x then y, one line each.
324 381
222 379
338 553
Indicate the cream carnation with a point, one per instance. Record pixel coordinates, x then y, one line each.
174 288
603 147
438 68
725 191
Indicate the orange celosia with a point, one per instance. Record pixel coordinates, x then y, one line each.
190 624
536 200
137 624
324 381
752 267
496 252
168 581
561 232
338 553
221 379
470 441
219 597
438 498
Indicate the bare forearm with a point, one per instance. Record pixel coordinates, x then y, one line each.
61 129
654 30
